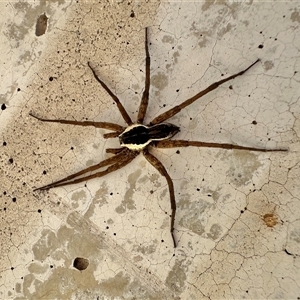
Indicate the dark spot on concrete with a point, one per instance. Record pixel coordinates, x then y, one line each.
41 25
80 263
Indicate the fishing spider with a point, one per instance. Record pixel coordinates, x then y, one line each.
139 138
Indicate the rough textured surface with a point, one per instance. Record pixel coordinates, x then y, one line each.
238 212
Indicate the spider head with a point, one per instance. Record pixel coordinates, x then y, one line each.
137 136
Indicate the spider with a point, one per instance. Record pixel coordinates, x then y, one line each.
139 138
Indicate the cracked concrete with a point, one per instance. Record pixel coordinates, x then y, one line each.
237 219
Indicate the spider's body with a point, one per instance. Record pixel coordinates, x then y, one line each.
137 137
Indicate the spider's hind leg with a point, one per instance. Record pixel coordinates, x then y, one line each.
162 170
116 162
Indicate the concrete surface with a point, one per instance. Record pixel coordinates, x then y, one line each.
237 220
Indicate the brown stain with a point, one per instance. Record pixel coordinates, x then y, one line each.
270 219
41 25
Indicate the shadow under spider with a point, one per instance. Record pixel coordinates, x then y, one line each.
139 138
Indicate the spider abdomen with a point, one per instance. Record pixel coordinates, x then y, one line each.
138 136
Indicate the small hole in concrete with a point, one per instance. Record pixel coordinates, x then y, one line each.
80 263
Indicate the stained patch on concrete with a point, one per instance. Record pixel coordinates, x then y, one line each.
41 25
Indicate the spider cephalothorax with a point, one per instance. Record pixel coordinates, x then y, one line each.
139 138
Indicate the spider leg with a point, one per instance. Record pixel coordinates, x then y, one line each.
183 143
121 108
116 162
105 125
112 134
114 150
145 97
161 169
176 109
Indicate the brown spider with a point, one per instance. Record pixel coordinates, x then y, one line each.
138 138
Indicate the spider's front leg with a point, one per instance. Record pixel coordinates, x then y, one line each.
104 125
176 109
161 169
120 106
